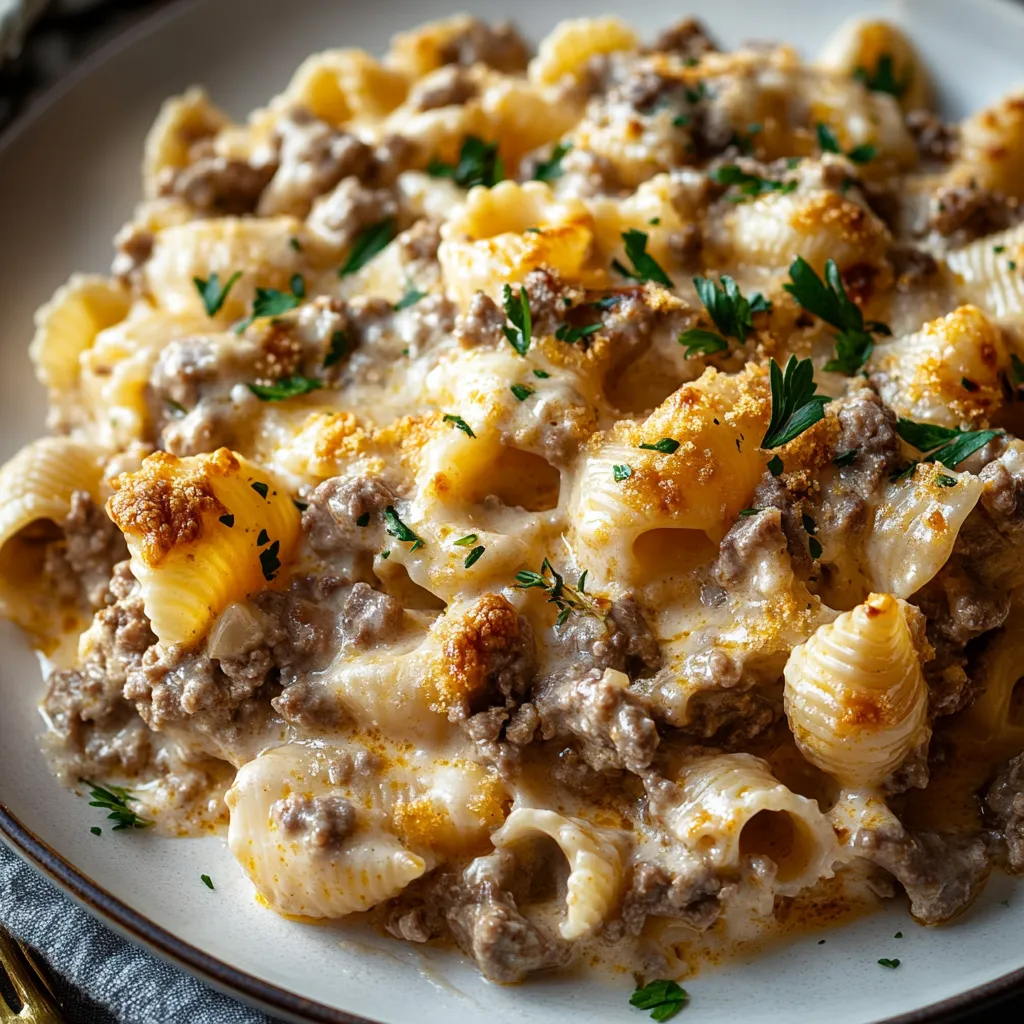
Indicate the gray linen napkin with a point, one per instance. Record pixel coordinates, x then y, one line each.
102 978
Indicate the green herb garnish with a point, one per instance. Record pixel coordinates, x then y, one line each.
207 881
701 342
550 169
96 830
846 458
263 538
730 310
541 374
468 541
893 964
474 556
645 266
883 77
620 471
795 406
397 529
574 334
775 466
287 387
828 301
667 445
211 292
828 142
517 309
363 520
663 998
459 423
944 444
260 488
269 562
115 799
746 512
479 164
750 186
521 391
338 348
410 298
367 244
271 302
567 599
814 547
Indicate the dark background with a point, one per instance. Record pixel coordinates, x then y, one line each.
60 38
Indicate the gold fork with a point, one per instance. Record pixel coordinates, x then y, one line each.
26 976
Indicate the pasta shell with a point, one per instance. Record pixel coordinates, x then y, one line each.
595 865
570 44
855 694
985 272
730 806
68 324
295 877
203 532
992 148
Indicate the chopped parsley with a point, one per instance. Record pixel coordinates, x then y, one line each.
846 458
730 310
96 830
663 998
749 186
468 541
337 349
541 374
397 529
115 799
814 546
567 599
620 471
386 554
862 154
574 334
459 423
1016 370
808 523
885 962
269 562
410 298
701 342
176 407
263 538
681 121
775 466
300 505
795 406
828 301
517 309
969 385
211 292
287 387
363 520
295 244
479 164
474 556
367 244
261 489
550 169
898 935
271 302
746 512
521 391
207 881
883 77
606 302
943 444
667 445
645 266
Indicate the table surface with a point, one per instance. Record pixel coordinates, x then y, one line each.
63 35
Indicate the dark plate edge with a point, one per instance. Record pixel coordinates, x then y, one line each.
134 926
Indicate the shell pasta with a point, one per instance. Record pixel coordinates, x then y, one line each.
561 501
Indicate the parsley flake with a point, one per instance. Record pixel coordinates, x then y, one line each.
410 298
620 472
479 164
667 445
207 881
228 520
574 334
363 520
663 998
775 466
300 505
795 406
521 391
645 266
269 562
468 541
747 512
263 538
808 523
367 244
1016 370
943 444
115 799
550 169
397 529
701 342
898 935
473 557
337 349
211 292
892 964
287 387
730 310
814 547
459 423
176 407
260 488
517 309
541 374
567 599
828 301
969 385
271 302
862 154
96 830
883 77
846 458
749 186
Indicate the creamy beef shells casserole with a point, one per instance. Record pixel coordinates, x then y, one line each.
561 504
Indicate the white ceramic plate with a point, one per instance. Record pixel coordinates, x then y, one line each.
68 178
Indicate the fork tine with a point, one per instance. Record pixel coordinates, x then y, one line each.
38 1003
34 961
15 975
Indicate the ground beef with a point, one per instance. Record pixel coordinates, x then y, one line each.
913 267
688 39
341 215
486 922
481 324
309 705
337 506
133 245
611 725
962 213
690 895
92 546
448 87
314 158
369 618
499 46
622 640
321 822
731 717
747 543
941 874
1005 800
935 139
217 185
420 243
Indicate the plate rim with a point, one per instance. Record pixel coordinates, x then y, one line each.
113 912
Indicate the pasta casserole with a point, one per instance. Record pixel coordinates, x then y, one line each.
561 504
